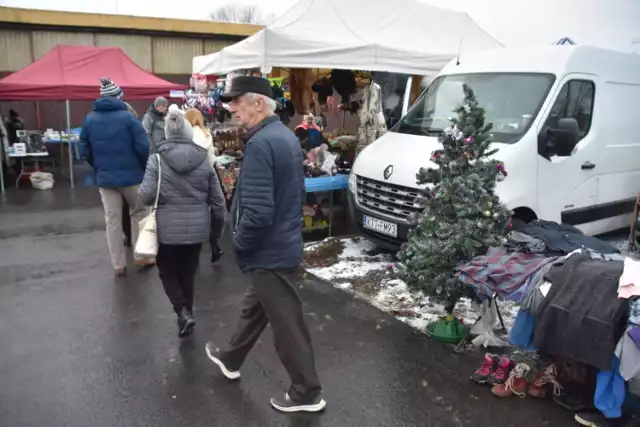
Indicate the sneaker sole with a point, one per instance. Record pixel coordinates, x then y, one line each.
227 373
317 407
583 422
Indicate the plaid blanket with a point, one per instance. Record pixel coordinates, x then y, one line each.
500 272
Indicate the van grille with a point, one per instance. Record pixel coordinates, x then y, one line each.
394 201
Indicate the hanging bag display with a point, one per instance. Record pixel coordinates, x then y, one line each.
147 244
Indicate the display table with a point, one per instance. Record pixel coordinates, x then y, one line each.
327 184
22 156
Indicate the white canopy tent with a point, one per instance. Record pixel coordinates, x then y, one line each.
403 36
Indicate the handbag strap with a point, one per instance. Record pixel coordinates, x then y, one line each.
155 203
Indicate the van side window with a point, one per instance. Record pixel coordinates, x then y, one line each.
574 101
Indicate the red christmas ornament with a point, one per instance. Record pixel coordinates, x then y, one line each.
501 169
435 156
468 140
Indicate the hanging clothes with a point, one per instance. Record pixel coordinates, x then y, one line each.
610 390
372 122
300 82
581 316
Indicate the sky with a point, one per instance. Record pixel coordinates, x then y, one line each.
603 23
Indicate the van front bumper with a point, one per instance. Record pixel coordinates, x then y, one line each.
356 215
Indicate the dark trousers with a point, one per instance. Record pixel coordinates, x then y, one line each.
126 221
177 265
271 298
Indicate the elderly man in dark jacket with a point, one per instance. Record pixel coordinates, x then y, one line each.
266 216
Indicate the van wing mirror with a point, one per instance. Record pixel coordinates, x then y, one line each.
560 140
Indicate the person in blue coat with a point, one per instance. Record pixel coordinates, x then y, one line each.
267 224
115 145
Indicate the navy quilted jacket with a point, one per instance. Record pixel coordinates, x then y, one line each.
267 206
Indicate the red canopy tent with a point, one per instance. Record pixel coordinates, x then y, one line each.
72 73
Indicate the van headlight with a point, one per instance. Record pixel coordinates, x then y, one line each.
352 182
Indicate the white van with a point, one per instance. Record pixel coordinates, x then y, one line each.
566 124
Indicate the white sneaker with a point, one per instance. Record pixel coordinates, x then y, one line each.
288 405
231 375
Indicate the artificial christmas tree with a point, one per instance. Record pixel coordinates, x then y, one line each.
463 217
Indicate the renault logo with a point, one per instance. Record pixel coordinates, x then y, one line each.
388 172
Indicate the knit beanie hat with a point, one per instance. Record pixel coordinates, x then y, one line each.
175 125
109 88
161 100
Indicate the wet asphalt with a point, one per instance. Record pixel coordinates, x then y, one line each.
79 348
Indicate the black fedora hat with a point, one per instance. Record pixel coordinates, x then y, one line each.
246 84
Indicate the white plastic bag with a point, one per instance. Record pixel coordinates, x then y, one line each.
484 327
147 243
42 180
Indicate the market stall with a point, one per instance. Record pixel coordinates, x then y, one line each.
577 327
388 42
72 73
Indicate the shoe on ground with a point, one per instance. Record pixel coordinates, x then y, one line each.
489 365
501 372
542 380
596 419
285 404
212 353
516 384
145 263
120 272
186 323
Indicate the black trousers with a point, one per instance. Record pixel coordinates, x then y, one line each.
273 299
177 265
126 220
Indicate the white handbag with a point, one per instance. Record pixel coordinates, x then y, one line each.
147 244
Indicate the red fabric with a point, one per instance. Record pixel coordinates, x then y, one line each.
73 73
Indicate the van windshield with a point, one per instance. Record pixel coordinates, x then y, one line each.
511 102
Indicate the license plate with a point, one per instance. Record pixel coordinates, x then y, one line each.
382 227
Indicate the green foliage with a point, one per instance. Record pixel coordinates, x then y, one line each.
463 217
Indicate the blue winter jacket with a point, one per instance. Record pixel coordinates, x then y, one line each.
114 143
267 207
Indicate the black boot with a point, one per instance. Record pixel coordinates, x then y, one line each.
186 322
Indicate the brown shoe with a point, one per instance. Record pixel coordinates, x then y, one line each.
542 380
145 263
516 383
120 272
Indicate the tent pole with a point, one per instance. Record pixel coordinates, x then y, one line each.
3 156
68 104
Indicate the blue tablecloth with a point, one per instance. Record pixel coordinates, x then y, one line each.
326 183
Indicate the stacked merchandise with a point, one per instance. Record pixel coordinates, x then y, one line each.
579 310
228 142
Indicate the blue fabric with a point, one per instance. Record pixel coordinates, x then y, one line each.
521 334
114 144
268 203
610 391
326 183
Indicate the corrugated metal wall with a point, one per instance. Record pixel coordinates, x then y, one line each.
15 50
175 55
167 57
44 41
138 48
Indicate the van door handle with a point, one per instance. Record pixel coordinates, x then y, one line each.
587 165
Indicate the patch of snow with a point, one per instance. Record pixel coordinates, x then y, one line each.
409 306
356 248
346 270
